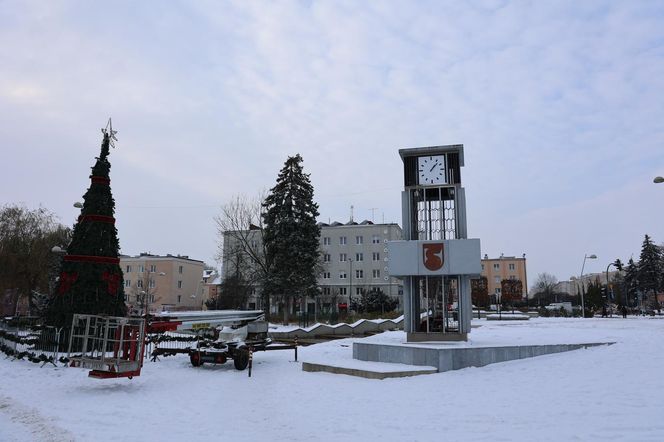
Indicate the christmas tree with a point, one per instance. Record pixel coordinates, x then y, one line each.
91 280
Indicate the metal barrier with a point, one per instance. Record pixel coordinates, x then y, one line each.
159 344
36 343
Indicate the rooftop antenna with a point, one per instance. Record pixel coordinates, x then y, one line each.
351 213
373 212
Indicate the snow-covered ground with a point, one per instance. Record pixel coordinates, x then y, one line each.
608 392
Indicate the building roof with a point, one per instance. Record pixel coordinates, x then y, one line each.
150 256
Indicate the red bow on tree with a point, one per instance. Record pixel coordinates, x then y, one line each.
113 280
66 281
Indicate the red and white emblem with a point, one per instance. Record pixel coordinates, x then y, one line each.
433 255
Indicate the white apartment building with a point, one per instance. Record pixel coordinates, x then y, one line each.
353 258
162 283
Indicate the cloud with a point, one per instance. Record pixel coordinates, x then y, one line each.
556 103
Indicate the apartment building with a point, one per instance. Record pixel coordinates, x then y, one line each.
504 267
162 283
354 258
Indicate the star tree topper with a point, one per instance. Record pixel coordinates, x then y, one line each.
111 133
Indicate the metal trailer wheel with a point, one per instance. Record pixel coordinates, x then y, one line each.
241 358
195 358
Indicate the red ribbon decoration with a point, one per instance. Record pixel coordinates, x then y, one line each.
95 259
100 180
113 280
98 218
66 281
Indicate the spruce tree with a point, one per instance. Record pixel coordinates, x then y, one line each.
631 282
91 280
291 235
650 267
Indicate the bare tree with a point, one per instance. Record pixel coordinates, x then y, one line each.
241 246
145 292
26 239
545 287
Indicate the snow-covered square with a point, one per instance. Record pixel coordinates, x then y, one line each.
608 392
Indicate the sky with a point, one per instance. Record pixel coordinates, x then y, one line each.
559 106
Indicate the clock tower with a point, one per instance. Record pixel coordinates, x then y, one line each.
436 260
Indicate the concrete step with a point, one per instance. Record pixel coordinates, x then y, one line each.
369 370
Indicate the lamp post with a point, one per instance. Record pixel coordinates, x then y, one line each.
583 305
607 285
618 265
350 292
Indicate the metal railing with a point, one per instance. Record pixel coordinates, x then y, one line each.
38 344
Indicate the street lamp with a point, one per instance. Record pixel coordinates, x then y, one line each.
583 305
350 293
658 180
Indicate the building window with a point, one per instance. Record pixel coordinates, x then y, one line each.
139 283
151 283
342 257
358 291
375 256
127 283
511 266
179 284
359 240
326 291
513 277
497 290
482 266
153 268
496 266
342 290
496 279
342 275
326 257
128 269
342 240
359 257
326 275
376 273
326 241
359 273
179 298
180 270
375 239
141 268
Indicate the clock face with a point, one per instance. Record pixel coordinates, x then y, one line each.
431 170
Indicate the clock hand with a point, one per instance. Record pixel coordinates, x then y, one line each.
433 167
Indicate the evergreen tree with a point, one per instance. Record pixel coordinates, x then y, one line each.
374 301
593 297
649 274
291 235
631 282
91 280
